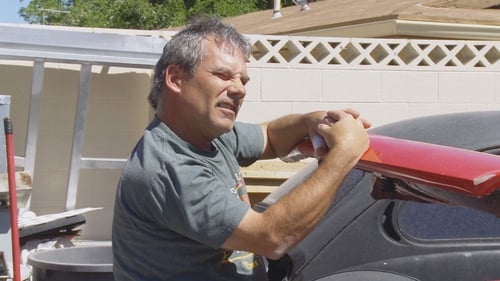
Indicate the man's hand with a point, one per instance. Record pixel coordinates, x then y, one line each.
322 132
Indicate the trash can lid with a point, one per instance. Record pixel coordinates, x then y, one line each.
75 259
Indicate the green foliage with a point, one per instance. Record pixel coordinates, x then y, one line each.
139 14
51 10
222 8
135 14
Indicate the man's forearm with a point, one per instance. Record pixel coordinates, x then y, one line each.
273 232
284 133
299 211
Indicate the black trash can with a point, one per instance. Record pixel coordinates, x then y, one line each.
75 264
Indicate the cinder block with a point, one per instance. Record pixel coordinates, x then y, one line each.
465 87
482 106
426 109
376 113
496 87
379 114
253 86
409 86
351 86
263 111
291 85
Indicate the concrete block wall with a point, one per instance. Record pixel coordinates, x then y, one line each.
386 80
382 96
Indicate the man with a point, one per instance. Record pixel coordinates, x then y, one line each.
182 211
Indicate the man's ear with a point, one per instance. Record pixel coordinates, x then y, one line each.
174 76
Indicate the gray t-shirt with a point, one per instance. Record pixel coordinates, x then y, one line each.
176 205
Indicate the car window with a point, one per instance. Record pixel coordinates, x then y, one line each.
429 221
351 180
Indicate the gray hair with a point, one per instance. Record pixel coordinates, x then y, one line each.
185 50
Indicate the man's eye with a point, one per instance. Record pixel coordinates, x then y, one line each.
221 76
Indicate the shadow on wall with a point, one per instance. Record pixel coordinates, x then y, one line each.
117 115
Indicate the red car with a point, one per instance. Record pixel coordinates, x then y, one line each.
389 225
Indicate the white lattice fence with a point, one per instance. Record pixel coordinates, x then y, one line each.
320 52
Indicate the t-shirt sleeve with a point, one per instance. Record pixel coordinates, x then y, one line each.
247 142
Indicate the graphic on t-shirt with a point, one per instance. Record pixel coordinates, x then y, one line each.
240 187
246 263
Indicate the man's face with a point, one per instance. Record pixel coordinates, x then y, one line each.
215 92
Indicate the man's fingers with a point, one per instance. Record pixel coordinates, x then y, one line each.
366 123
336 115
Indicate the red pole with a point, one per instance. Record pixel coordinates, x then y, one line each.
11 171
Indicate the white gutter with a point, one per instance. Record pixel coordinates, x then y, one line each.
407 28
448 30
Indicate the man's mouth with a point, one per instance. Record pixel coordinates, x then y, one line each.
229 106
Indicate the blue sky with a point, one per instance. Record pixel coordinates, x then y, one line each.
9 9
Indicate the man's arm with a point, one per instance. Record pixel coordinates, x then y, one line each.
273 232
283 134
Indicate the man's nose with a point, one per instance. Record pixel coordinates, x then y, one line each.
237 88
